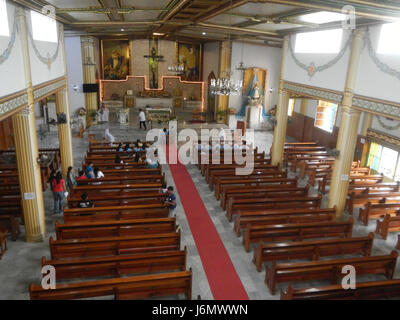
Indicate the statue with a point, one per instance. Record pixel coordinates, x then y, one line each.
255 98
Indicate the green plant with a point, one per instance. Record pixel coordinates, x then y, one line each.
92 114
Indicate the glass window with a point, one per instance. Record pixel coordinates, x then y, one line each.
323 17
327 41
387 165
325 116
291 107
374 156
397 175
44 28
4 28
386 44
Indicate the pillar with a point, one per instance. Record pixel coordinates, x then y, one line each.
89 72
347 137
281 114
304 107
26 148
64 132
225 57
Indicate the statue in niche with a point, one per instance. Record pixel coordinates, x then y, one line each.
255 97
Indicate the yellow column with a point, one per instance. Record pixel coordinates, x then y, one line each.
281 115
225 57
64 132
26 147
347 137
89 72
304 107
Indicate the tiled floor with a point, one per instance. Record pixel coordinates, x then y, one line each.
21 264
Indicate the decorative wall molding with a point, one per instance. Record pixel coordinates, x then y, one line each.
46 89
313 92
15 102
387 127
385 68
383 137
6 53
378 107
311 68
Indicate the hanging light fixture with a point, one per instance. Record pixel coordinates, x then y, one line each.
177 69
225 86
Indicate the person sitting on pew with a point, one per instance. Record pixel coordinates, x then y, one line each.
127 148
59 191
71 182
138 147
81 175
164 188
152 163
89 170
170 199
118 159
85 203
97 173
119 148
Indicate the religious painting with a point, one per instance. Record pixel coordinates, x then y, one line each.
115 59
190 56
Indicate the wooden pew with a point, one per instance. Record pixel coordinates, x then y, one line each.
297 161
257 164
108 246
328 270
312 250
378 210
255 182
296 231
130 172
116 188
113 228
106 165
282 216
387 224
122 199
136 287
9 223
360 200
290 155
325 174
274 191
371 290
219 176
116 213
353 179
253 204
124 179
116 266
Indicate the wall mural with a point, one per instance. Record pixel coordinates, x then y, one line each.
254 83
115 59
190 55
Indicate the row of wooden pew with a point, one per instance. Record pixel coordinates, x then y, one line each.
126 246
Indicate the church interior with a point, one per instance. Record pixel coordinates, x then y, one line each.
101 101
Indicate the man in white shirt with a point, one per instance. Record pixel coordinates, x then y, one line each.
142 119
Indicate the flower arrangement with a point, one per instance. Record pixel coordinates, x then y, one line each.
232 111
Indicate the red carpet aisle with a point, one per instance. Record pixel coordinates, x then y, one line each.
221 274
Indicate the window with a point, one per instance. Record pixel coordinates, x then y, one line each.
375 151
323 17
384 160
386 44
325 116
4 29
291 107
44 28
327 41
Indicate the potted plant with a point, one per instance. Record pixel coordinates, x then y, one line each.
91 117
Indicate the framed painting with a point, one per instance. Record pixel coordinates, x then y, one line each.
190 56
116 59
252 78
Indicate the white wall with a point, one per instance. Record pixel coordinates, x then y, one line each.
268 58
377 126
12 76
332 78
75 73
41 72
372 81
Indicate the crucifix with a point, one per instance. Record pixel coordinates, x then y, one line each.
154 59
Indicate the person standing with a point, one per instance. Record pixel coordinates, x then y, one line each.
71 182
142 119
58 189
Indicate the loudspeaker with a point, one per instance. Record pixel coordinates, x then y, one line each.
61 118
90 87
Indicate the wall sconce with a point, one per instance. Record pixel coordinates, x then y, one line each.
271 90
